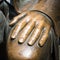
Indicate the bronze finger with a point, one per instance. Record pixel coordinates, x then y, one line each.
44 36
15 19
19 26
36 33
26 31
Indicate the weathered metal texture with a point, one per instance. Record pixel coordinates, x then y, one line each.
18 51
23 51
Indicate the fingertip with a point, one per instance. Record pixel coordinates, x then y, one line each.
30 44
11 23
40 44
12 37
21 41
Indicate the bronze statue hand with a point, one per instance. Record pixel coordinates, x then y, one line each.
31 24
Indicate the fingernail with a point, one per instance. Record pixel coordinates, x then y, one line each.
13 37
29 43
21 41
40 44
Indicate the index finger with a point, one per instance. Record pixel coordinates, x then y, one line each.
15 19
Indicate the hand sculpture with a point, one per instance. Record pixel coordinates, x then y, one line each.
31 23
34 28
